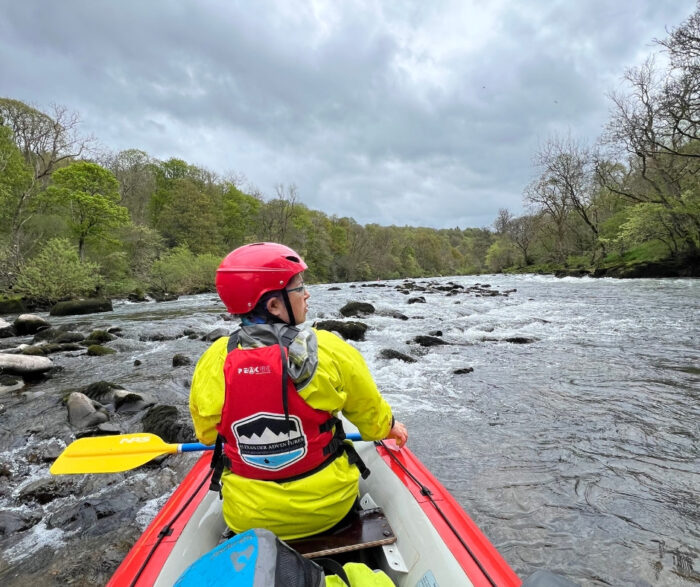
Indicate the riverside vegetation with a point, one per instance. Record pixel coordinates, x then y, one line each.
78 222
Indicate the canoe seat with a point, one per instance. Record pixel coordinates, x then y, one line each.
367 529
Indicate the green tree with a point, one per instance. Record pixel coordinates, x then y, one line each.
57 273
88 195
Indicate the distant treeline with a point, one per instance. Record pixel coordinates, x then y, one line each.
75 222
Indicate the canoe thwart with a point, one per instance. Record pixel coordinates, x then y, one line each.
367 529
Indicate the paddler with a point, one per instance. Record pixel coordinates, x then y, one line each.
269 395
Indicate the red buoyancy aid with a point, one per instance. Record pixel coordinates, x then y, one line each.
264 438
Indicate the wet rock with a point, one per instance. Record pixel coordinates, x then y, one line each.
348 330
24 365
392 354
11 522
12 305
44 452
463 371
137 362
9 384
165 421
35 351
358 309
58 336
428 341
392 314
130 402
435 333
97 350
46 490
156 337
417 300
99 337
137 296
7 330
333 289
180 360
82 411
215 334
80 307
30 324
101 391
520 340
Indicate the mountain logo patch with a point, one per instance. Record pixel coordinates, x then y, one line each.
269 441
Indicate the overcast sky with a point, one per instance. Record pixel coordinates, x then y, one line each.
425 113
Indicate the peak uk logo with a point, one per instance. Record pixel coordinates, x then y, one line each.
255 370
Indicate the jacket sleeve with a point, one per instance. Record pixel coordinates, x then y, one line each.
362 403
207 391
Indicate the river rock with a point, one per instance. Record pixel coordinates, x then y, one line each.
98 337
348 330
7 330
463 371
333 289
82 411
80 307
520 339
428 341
392 314
215 334
417 300
97 350
180 360
164 421
392 354
11 522
357 309
46 490
130 402
30 324
9 384
57 335
12 305
24 365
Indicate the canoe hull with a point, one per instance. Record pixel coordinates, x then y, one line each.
437 544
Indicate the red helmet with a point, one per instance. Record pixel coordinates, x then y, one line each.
250 271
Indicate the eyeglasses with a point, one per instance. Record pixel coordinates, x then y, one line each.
300 289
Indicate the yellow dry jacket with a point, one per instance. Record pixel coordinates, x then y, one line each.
294 509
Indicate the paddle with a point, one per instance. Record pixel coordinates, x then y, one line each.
112 454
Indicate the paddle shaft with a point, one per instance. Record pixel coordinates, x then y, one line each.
198 446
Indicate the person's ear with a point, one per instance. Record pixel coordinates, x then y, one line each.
275 306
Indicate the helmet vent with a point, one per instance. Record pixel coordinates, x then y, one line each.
293 259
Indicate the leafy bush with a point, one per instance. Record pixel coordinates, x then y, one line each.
57 273
180 271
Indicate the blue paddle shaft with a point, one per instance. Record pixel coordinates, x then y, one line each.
198 446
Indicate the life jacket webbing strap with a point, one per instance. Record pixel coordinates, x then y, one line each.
217 464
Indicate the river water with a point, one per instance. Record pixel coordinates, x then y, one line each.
576 452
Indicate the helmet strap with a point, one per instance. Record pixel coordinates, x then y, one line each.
288 305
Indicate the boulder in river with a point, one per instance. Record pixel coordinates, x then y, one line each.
7 330
463 370
215 334
29 324
180 360
392 354
165 421
424 340
9 383
348 330
83 412
24 365
12 305
416 300
97 350
79 307
358 309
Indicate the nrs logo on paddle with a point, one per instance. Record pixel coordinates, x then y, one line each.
134 439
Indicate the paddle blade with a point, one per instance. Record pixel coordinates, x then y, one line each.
110 454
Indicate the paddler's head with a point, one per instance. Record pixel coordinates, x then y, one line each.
264 283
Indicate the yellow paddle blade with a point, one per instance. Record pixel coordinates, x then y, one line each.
110 454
